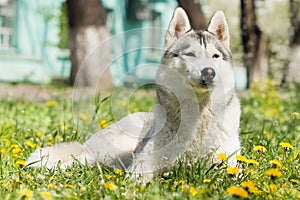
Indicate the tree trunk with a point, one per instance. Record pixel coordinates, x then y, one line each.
194 12
292 70
254 43
89 56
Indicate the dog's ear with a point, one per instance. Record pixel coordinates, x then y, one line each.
218 26
179 25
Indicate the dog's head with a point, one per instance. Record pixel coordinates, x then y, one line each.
202 57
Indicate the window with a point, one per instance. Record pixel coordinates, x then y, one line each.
6 24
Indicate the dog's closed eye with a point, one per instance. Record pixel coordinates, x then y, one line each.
190 54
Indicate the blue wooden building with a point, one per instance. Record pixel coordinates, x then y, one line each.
29 37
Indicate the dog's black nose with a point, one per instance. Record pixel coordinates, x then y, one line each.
208 74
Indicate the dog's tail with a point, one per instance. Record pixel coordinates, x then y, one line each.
62 155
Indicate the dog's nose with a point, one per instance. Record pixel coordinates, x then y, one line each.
208 73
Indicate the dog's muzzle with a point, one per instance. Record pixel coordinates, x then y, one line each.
207 76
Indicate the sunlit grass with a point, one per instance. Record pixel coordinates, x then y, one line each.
267 169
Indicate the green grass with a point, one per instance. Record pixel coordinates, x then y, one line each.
269 117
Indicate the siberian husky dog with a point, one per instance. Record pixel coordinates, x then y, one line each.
197 114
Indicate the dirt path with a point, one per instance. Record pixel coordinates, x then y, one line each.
32 92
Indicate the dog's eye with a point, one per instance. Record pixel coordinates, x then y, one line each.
216 56
190 54
175 55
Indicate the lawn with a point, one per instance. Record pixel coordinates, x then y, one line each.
269 166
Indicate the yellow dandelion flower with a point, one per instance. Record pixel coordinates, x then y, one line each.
51 103
295 181
248 184
46 195
184 188
172 188
232 170
123 103
254 190
83 116
206 180
252 162
26 193
241 158
273 173
273 188
18 181
39 134
6 185
63 127
5 141
118 172
281 119
83 189
108 176
51 185
286 145
164 181
3 150
16 150
251 187
238 191
30 144
102 123
247 108
222 156
295 115
275 163
267 133
182 182
58 138
29 176
193 191
20 163
109 186
68 186
260 149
